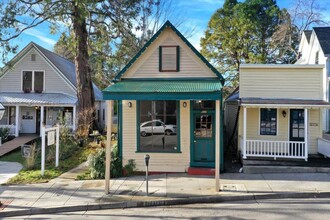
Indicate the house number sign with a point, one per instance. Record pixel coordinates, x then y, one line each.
27 116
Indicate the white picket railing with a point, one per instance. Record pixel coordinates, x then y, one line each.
275 149
323 147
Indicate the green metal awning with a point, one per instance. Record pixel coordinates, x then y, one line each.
164 90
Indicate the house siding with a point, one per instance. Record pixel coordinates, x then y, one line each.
159 162
298 83
148 64
54 83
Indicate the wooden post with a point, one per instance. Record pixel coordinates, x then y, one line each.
306 133
43 149
17 121
217 145
108 146
244 132
57 144
41 117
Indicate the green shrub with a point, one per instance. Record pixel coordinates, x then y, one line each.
96 164
130 167
4 133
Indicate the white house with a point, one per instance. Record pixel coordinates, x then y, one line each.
314 48
38 87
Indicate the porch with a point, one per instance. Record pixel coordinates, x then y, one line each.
26 112
280 128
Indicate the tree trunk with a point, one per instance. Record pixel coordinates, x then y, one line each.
85 92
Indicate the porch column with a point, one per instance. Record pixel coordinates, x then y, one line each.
42 118
74 118
217 145
306 133
244 132
17 121
109 104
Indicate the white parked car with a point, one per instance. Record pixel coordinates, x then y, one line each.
156 127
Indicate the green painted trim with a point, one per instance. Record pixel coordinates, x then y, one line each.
192 152
177 58
160 58
138 130
162 96
202 164
168 24
194 79
138 135
120 129
160 152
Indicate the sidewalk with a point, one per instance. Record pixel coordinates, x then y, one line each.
65 194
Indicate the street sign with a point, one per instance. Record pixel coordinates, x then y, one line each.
51 138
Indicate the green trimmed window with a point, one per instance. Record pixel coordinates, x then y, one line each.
169 59
268 121
158 130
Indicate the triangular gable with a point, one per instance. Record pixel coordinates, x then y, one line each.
157 36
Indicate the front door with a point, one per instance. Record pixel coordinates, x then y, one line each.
203 154
297 125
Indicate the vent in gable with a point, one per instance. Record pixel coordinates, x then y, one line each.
33 57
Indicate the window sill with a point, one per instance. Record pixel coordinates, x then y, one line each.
162 152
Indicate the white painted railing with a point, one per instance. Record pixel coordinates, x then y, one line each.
323 147
11 128
276 149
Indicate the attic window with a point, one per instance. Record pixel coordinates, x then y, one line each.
169 59
33 57
317 58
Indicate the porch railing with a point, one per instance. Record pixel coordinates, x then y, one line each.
323 147
274 149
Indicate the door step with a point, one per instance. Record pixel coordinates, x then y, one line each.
201 171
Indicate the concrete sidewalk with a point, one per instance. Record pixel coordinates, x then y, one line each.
65 194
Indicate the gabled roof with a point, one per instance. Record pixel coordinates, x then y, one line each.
323 36
65 66
168 24
308 34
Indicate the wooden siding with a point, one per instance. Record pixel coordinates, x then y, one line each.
315 129
253 123
159 162
147 66
297 83
54 83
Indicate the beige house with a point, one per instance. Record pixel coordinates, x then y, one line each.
281 110
38 87
169 106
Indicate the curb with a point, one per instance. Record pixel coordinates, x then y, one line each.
165 202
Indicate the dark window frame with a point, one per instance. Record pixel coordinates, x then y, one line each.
161 69
138 120
267 125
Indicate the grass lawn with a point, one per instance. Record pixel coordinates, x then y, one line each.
33 175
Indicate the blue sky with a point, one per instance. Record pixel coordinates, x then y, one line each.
196 14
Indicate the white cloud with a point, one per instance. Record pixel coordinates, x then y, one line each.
40 35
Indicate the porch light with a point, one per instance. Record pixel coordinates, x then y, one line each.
2 111
130 104
284 113
184 104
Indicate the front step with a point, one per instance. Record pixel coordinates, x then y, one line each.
284 169
315 164
201 171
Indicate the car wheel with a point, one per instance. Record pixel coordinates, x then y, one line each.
168 132
143 133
